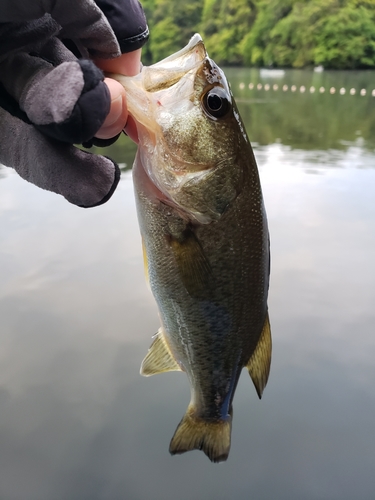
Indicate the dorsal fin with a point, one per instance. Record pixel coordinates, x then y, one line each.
159 358
260 361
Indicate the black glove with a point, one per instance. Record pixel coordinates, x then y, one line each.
50 99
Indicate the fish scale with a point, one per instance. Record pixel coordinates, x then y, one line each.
205 239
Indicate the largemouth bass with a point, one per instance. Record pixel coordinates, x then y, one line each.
205 239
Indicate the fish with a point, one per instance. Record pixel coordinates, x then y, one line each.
205 239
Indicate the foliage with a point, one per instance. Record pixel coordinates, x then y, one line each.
225 24
172 24
280 33
348 39
255 44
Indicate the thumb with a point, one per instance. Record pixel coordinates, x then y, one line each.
118 114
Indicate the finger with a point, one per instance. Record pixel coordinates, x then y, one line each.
128 64
118 114
131 129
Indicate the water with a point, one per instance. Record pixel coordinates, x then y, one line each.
77 421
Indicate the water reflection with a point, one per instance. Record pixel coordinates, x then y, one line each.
307 120
77 422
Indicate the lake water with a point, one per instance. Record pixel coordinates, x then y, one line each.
78 422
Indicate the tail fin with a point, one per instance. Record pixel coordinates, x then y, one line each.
194 433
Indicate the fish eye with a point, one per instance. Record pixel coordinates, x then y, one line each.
216 103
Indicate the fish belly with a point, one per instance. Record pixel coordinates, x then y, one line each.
210 282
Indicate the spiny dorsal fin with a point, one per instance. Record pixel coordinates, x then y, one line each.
193 433
260 361
193 265
159 358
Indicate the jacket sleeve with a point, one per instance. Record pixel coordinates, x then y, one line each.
128 21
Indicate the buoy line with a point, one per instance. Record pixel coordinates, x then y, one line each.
302 89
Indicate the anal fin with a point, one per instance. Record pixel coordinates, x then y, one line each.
260 361
159 358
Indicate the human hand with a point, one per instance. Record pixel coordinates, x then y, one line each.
51 99
118 118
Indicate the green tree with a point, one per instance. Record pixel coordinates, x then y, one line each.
347 40
334 33
149 8
255 43
172 24
293 39
164 39
225 24
286 33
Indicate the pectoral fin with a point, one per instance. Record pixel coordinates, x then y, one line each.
159 358
260 361
193 265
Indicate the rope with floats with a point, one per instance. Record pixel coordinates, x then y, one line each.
302 89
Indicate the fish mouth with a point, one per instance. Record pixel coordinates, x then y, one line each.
161 92
194 45
165 73
162 75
